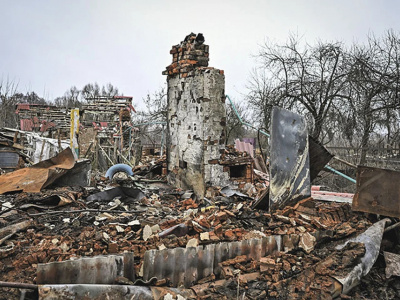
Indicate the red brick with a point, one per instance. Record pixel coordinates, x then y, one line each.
113 248
213 236
229 234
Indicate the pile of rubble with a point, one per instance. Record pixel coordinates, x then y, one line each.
205 221
225 248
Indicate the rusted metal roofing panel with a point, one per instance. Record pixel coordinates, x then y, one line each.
87 270
377 191
38 176
186 266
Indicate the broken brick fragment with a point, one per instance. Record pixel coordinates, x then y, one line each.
113 248
230 235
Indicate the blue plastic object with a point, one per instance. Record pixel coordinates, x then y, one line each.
119 168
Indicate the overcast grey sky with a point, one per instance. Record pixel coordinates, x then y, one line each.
49 46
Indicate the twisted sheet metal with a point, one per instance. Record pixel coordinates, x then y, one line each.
186 266
87 270
38 176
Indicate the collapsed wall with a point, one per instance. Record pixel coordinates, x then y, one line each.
196 117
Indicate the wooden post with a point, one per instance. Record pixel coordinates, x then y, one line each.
74 131
59 141
41 151
96 153
115 151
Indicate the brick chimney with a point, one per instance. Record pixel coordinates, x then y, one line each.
196 117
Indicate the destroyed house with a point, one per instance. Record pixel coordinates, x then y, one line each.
106 129
43 118
220 225
46 129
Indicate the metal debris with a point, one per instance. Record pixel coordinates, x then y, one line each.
371 238
87 270
38 176
186 266
290 165
125 193
79 175
392 261
377 191
319 157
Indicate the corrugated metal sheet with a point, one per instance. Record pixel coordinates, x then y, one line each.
8 158
26 124
244 147
87 270
186 266
110 292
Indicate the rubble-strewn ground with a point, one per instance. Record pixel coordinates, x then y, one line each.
66 225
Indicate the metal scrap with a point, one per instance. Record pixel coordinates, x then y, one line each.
38 176
290 165
87 270
125 193
377 191
371 238
392 261
110 292
186 266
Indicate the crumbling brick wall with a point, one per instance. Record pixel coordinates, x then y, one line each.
196 117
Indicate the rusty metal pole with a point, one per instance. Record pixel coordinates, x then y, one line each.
18 285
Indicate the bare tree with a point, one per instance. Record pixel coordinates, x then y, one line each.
92 90
234 127
262 96
152 116
8 100
70 99
74 97
109 90
156 106
375 78
305 78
